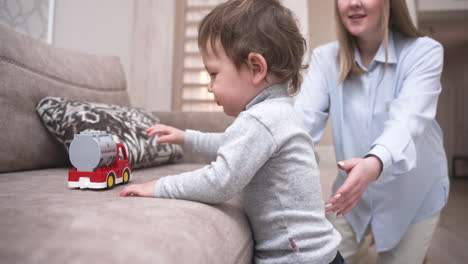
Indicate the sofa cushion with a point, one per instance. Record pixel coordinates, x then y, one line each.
44 222
31 70
65 118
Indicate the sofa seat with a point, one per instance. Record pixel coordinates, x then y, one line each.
42 221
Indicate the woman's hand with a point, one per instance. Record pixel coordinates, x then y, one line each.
361 172
143 190
170 134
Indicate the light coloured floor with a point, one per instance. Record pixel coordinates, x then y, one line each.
450 242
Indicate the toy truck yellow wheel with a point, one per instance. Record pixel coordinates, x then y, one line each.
126 175
110 180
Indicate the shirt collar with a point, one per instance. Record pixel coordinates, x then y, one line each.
274 91
380 55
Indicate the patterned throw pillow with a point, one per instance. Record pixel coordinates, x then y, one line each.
65 118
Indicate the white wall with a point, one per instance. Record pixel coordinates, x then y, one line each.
321 22
141 33
101 27
300 9
442 5
150 79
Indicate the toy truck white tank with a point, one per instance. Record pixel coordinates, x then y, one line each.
92 149
97 161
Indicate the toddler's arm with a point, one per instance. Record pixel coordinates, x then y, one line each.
206 144
247 144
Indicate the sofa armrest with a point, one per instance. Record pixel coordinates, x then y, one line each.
201 121
31 70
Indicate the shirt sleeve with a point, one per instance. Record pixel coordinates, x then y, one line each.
205 144
410 112
312 102
246 146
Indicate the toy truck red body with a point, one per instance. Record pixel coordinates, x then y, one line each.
105 174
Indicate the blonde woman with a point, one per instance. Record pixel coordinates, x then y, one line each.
379 84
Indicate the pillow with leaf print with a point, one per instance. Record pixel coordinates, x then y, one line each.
64 118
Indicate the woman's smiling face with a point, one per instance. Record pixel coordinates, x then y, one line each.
361 17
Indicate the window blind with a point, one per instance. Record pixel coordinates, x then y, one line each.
193 80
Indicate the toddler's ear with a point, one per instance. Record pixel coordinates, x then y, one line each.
258 67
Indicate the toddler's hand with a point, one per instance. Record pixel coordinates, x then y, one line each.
170 134
144 190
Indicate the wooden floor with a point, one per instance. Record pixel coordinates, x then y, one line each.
450 242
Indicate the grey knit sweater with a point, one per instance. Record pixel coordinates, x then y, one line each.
267 156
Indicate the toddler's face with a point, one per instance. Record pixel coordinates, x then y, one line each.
232 88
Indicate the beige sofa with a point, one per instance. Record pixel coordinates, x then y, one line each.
42 221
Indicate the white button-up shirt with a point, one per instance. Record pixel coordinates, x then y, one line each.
389 113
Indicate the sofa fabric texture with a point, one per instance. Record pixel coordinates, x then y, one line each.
31 70
42 221
65 118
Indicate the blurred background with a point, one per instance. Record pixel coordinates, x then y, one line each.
156 41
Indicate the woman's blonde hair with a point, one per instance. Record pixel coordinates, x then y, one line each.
395 17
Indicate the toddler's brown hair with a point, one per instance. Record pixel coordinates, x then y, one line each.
262 26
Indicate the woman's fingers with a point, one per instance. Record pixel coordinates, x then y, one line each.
347 196
342 203
348 164
348 208
345 189
333 203
336 204
343 206
354 186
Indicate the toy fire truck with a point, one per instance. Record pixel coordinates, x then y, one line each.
99 162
